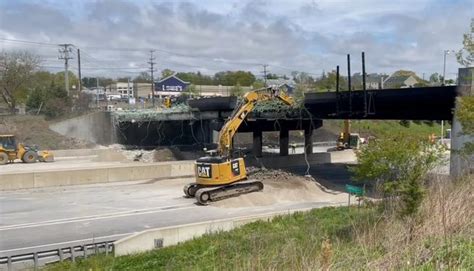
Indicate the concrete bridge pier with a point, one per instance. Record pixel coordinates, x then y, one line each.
257 142
462 164
284 141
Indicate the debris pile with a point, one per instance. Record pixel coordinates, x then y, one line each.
276 109
282 187
149 114
160 154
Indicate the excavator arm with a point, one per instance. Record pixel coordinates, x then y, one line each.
251 98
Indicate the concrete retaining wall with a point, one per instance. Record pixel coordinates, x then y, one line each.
169 236
96 175
276 161
95 127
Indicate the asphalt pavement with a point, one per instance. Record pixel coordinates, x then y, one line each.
48 218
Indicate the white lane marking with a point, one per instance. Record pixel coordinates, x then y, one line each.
98 217
96 239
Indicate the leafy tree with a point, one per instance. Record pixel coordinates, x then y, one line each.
167 72
72 79
272 76
465 108
230 78
49 94
196 78
399 163
191 90
435 78
124 79
302 77
465 115
237 91
258 84
299 93
16 68
465 56
143 77
91 82
328 82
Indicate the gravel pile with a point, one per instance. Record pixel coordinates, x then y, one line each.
282 187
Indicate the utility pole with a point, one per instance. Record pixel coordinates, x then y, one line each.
265 74
79 68
152 78
97 92
64 51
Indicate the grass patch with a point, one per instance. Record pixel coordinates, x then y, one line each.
380 128
301 241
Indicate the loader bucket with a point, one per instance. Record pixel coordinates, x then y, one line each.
46 156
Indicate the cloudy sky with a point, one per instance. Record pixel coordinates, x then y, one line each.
115 36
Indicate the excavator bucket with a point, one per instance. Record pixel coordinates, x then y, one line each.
45 156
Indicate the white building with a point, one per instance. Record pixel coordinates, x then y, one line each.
124 89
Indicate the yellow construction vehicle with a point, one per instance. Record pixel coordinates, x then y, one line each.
167 102
220 175
10 151
346 139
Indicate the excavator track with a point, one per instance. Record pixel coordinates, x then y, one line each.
206 194
190 189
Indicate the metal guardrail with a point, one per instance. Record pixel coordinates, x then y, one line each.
58 255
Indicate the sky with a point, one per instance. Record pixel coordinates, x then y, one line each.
115 36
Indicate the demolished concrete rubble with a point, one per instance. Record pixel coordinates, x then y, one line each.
148 114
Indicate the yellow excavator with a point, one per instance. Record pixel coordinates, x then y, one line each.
346 139
10 151
167 102
219 175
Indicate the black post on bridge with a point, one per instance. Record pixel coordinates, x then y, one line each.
349 82
363 84
337 90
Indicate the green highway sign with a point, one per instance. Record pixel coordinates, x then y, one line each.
354 190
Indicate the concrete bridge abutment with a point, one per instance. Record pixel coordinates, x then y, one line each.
462 163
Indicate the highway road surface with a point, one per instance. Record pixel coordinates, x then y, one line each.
48 218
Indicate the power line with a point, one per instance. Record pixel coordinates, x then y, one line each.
30 42
142 49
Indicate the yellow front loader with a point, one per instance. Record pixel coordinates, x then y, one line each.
10 151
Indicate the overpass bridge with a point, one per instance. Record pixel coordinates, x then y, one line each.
199 123
207 115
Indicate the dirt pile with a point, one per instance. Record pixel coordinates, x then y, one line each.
282 186
34 130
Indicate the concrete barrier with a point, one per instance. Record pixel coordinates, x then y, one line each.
276 161
91 175
169 236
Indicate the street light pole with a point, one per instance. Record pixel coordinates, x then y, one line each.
446 52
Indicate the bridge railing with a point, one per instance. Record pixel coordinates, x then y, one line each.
56 255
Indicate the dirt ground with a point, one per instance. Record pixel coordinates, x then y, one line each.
281 186
34 130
